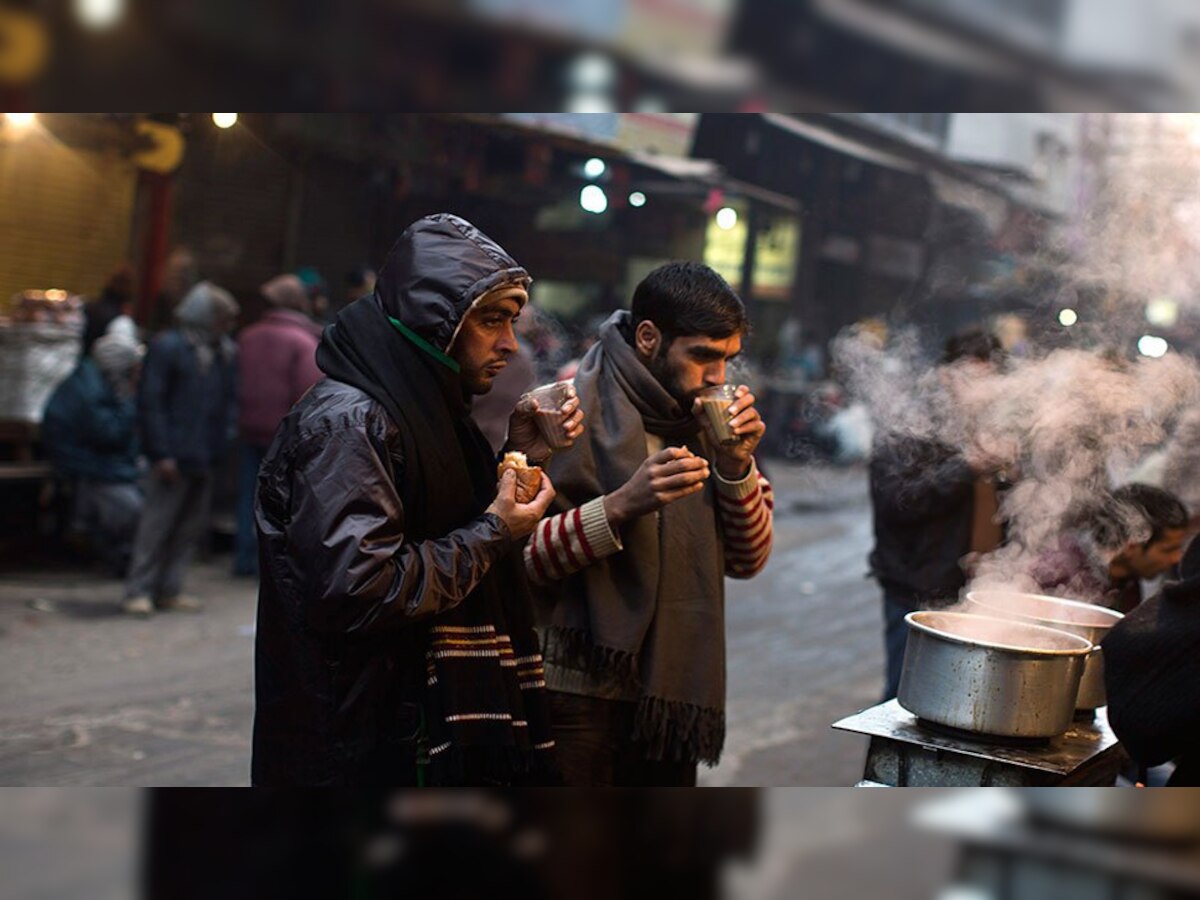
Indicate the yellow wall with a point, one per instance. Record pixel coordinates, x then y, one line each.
65 215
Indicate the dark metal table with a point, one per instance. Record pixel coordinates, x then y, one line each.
905 753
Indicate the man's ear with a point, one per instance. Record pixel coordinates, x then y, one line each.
647 339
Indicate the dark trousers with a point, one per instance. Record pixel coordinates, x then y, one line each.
896 605
109 514
174 519
592 741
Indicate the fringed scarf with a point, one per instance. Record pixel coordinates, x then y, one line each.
652 615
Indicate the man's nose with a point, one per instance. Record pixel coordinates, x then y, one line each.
508 341
715 374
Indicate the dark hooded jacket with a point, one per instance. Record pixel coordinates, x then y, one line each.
374 545
1152 676
922 493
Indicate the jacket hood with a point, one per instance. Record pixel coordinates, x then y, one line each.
437 268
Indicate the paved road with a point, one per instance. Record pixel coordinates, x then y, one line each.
805 645
88 697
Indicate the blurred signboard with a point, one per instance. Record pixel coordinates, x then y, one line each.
775 250
685 27
663 134
725 248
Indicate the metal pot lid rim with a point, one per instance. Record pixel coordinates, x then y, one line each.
991 645
1104 611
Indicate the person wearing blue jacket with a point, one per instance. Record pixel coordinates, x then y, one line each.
187 415
89 431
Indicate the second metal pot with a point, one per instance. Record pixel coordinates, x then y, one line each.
991 676
1084 619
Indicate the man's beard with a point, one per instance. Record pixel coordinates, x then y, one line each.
667 377
477 386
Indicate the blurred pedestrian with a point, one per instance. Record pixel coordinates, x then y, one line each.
359 282
631 568
395 641
933 507
317 289
181 272
277 363
187 412
89 431
114 305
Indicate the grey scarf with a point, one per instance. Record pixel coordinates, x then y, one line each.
653 614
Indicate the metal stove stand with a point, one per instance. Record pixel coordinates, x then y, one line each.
905 753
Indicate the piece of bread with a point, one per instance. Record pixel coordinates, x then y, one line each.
529 478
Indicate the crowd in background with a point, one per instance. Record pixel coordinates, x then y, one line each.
138 433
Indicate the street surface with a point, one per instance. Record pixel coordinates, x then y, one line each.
90 697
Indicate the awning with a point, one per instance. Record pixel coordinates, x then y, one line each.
708 173
840 143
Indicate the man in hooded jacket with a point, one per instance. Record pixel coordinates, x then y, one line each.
395 642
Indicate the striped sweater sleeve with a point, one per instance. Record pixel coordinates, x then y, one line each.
746 509
563 544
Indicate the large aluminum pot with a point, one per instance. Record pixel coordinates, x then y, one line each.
991 676
1084 619
1149 815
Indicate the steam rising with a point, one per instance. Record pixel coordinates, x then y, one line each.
1067 427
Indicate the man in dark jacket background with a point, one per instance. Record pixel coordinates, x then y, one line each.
932 506
89 430
1152 677
186 409
395 642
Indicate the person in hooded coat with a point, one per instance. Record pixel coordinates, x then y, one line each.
395 642
186 412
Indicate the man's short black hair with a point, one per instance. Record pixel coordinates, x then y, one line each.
975 344
684 299
1117 520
